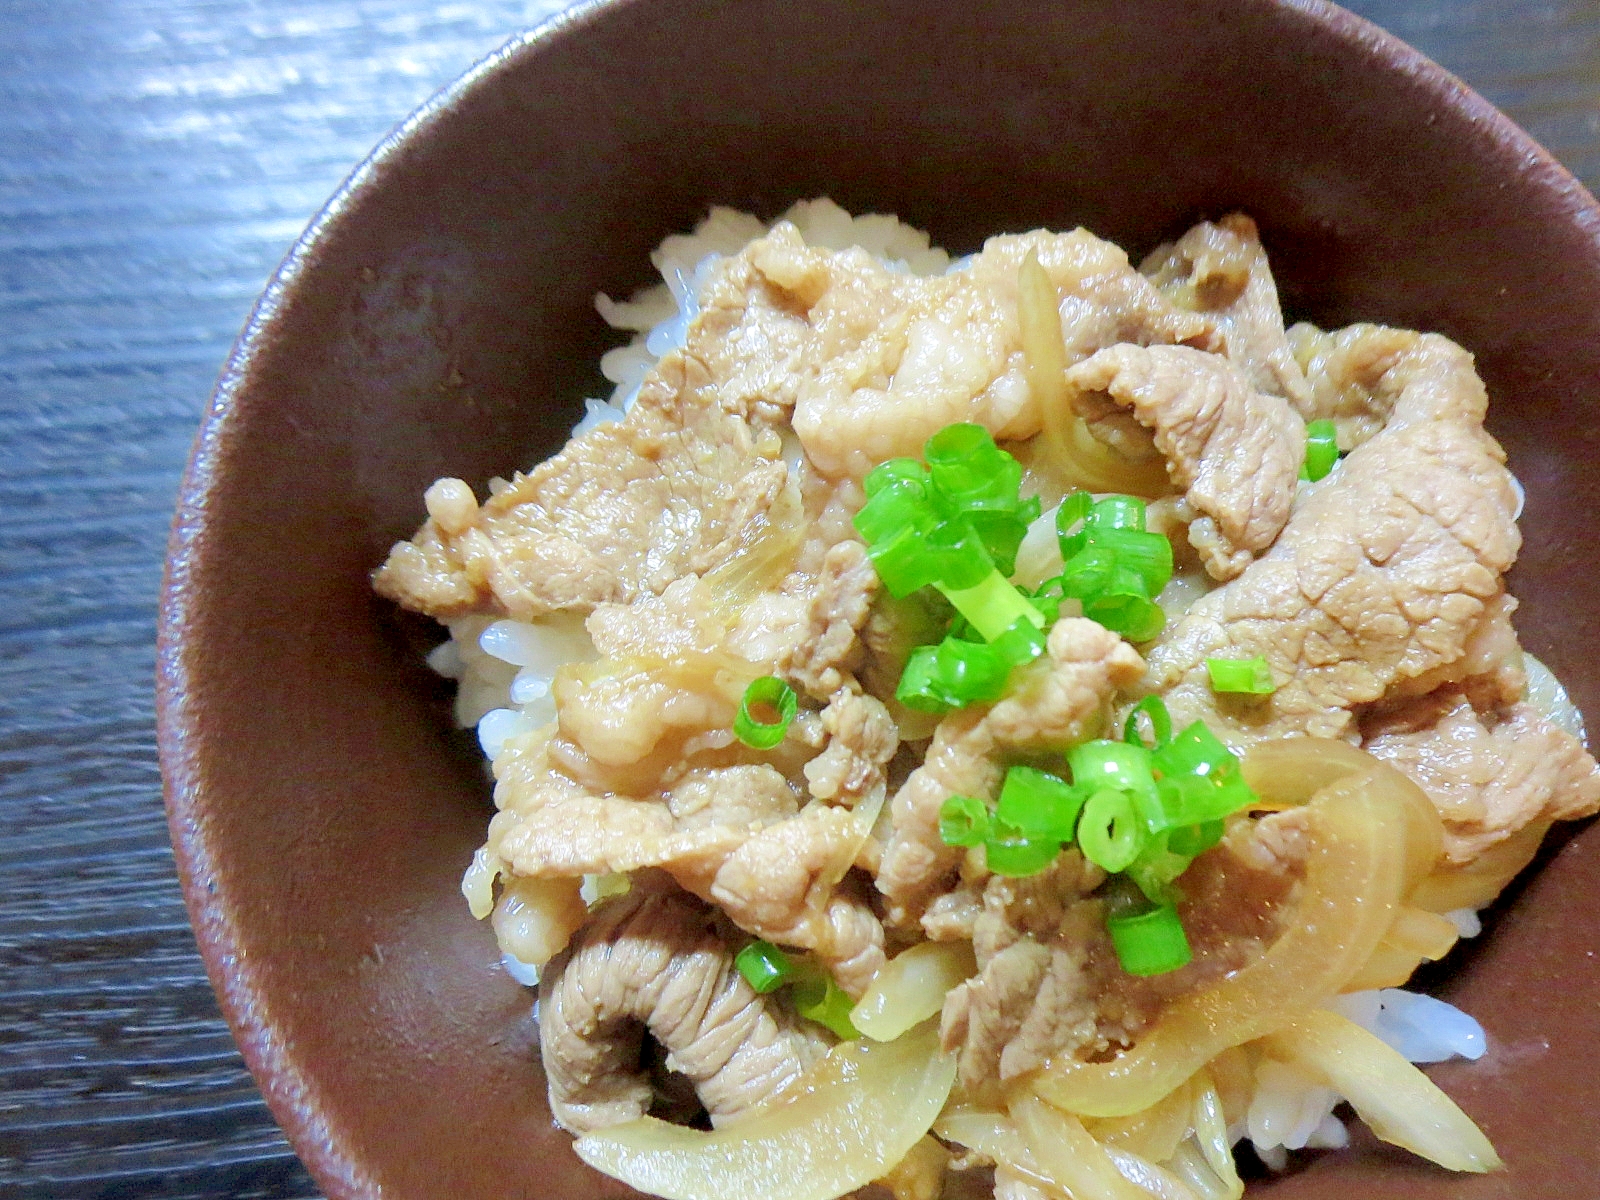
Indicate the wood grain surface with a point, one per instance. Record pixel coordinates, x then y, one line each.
157 158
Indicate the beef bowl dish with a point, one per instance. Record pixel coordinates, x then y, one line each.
1007 630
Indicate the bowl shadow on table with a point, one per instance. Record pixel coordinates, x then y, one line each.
439 321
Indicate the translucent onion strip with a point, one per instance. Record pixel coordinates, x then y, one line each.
1417 936
1478 882
1363 840
911 987
1398 1102
1077 454
1068 1154
863 1109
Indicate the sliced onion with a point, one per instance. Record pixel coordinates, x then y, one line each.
911 987
1478 882
1417 936
1068 1154
863 1107
1367 835
1081 459
1398 1102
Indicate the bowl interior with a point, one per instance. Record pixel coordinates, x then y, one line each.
438 321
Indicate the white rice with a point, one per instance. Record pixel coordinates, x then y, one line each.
1292 1111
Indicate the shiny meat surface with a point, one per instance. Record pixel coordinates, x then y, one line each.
660 963
1490 773
1234 451
1381 575
1221 270
1059 700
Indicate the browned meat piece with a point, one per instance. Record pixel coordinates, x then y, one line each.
1221 270
679 486
731 832
1048 983
861 740
1056 702
675 488
903 356
1028 1002
827 650
1360 372
1489 776
1235 452
1489 671
658 961
1383 575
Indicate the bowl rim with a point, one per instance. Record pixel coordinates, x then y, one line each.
291 1096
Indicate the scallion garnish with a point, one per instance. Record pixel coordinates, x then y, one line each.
1251 676
963 821
764 966
1322 449
768 692
1112 564
1040 804
1153 709
1110 834
818 998
1143 811
1150 943
1012 851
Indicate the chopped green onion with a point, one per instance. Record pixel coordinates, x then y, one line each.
1322 449
1154 708
952 674
1157 866
893 470
1120 512
963 821
771 691
993 605
1002 532
1010 851
1103 763
1148 555
1072 523
1150 943
764 966
1195 751
1249 675
1191 841
818 998
1040 804
1110 833
1132 616
971 471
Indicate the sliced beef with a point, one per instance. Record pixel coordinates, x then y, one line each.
730 831
657 961
904 356
1488 774
1383 575
1054 703
1235 451
1358 373
677 487
1048 983
1221 270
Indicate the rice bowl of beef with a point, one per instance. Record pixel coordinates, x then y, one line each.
437 322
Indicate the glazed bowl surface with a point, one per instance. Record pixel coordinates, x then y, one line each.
437 319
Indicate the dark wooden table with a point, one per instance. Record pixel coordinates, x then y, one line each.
157 158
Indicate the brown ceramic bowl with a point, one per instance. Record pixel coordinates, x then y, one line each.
436 319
